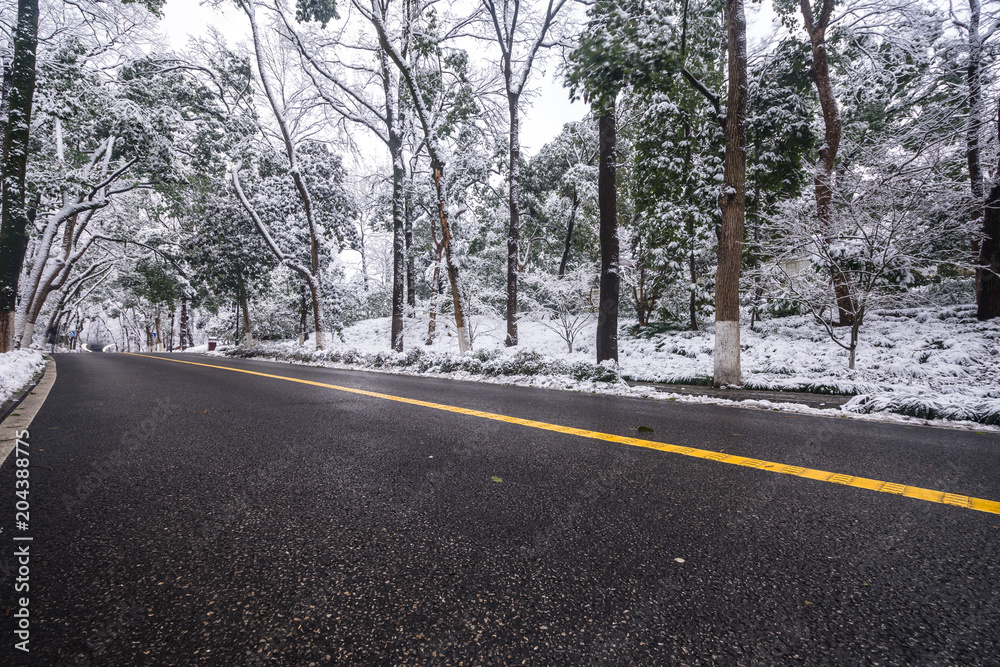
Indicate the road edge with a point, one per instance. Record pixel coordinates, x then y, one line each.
790 408
15 399
29 406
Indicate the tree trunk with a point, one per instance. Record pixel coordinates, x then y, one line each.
159 334
411 287
988 271
732 201
433 307
245 306
16 217
303 315
825 179
689 223
450 266
398 240
514 226
185 336
170 336
79 332
32 293
693 276
607 197
758 290
363 251
569 233
5 86
314 293
974 128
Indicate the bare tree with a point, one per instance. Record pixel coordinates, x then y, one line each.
378 110
518 50
376 13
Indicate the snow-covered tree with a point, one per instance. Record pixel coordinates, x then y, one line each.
311 271
519 32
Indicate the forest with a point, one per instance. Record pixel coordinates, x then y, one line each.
357 166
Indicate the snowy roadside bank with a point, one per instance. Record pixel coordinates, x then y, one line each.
17 369
916 367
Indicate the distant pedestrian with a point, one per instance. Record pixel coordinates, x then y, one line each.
52 337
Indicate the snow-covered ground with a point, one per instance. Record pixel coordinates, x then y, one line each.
926 363
17 369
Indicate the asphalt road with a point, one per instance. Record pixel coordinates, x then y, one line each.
184 515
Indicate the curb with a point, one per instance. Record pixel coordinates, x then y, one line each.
812 400
11 403
32 403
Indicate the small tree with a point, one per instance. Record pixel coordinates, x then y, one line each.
893 230
562 304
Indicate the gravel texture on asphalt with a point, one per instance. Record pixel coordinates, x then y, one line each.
185 515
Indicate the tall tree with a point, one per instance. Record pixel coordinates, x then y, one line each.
988 292
825 178
607 197
517 55
732 198
434 127
625 44
16 216
381 112
732 201
988 299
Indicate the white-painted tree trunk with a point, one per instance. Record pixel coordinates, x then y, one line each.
727 353
27 335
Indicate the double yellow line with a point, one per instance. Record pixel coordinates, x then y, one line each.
916 492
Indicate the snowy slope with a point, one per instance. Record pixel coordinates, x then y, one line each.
17 369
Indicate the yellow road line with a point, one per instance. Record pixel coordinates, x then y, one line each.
929 495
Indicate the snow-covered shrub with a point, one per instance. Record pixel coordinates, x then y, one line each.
930 406
561 304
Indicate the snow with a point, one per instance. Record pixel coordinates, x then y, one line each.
16 370
919 365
